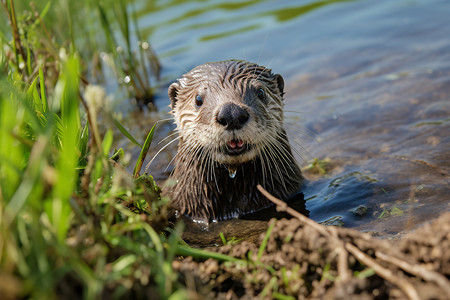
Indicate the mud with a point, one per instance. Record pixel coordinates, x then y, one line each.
304 262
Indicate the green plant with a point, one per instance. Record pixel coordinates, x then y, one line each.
66 208
131 69
43 33
73 222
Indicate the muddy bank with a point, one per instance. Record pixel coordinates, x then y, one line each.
309 262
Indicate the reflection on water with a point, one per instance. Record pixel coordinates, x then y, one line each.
369 79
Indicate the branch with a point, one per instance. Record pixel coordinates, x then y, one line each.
344 249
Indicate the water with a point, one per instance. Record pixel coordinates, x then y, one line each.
367 90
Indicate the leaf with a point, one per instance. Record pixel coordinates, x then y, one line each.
107 142
264 242
395 211
83 142
33 95
42 84
125 132
204 254
117 155
179 295
222 237
144 151
58 208
123 262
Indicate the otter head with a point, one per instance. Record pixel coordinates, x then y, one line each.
228 112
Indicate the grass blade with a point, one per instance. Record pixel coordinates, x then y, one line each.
144 151
125 132
33 96
107 142
59 208
264 242
42 86
203 254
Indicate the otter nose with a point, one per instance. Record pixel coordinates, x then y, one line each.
232 116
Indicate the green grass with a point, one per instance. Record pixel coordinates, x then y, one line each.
104 34
70 216
73 223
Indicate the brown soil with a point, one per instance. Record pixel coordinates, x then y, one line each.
305 260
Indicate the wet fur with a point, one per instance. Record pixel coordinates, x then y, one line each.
204 188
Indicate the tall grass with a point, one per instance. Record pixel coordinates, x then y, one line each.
73 223
104 34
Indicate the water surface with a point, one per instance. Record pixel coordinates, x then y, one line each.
367 90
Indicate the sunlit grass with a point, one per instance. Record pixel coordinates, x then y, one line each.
65 206
73 222
104 34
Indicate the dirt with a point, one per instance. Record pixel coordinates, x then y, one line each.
305 260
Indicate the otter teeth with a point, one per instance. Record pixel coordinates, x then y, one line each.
236 147
235 144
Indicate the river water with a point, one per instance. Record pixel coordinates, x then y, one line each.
367 93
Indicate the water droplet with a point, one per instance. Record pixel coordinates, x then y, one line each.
232 172
145 45
127 79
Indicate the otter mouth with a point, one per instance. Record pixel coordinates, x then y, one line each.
236 147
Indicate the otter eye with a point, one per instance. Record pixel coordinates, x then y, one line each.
198 100
261 94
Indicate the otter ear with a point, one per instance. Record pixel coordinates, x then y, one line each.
173 93
280 83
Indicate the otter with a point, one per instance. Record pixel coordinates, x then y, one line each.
229 117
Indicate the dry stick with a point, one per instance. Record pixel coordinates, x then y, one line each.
387 274
15 30
343 271
403 284
342 263
282 206
417 270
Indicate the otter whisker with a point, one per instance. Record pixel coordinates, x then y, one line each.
159 151
284 152
262 73
263 167
164 120
177 64
274 156
281 157
280 152
213 173
265 156
203 165
173 158
298 153
168 137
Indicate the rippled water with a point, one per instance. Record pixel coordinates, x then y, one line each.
367 90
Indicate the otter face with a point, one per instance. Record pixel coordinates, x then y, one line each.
228 112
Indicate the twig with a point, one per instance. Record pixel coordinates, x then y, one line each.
282 206
343 271
417 270
387 274
342 263
331 232
17 43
